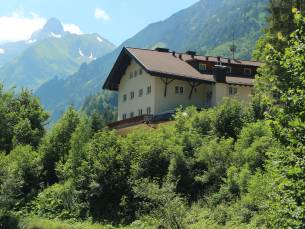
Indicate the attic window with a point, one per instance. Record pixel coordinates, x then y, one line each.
140 71
202 67
135 73
124 98
247 71
131 75
229 69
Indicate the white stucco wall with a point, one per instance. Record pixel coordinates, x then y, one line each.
134 84
173 100
221 90
160 104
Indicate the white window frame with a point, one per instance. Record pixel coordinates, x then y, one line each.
179 90
124 97
248 71
148 91
140 92
233 91
131 95
202 67
148 110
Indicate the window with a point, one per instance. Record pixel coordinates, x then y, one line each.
202 67
124 116
179 90
135 73
140 112
131 114
140 92
132 95
124 98
209 95
229 69
232 90
131 75
247 71
148 110
140 71
148 90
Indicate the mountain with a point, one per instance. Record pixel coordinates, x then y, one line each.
51 52
53 28
206 27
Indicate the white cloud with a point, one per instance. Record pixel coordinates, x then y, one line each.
72 28
17 27
2 51
101 14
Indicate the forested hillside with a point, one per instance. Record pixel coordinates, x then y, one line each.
206 27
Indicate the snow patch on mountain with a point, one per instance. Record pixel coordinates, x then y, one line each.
31 41
91 57
80 52
2 51
99 39
55 35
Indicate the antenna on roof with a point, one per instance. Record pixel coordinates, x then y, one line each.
233 46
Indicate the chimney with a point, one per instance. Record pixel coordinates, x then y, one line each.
191 53
229 61
206 58
162 49
180 56
174 53
220 73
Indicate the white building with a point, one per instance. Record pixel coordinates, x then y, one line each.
151 83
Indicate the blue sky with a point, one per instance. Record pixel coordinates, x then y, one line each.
116 20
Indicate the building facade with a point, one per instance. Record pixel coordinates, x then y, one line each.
157 82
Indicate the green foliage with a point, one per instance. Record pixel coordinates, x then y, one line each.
58 201
169 208
230 118
22 120
20 177
56 144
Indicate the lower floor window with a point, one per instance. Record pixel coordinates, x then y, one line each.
140 111
131 114
148 110
232 90
124 116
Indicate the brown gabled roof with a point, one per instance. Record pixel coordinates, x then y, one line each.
166 64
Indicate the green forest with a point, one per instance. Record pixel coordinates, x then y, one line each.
233 166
